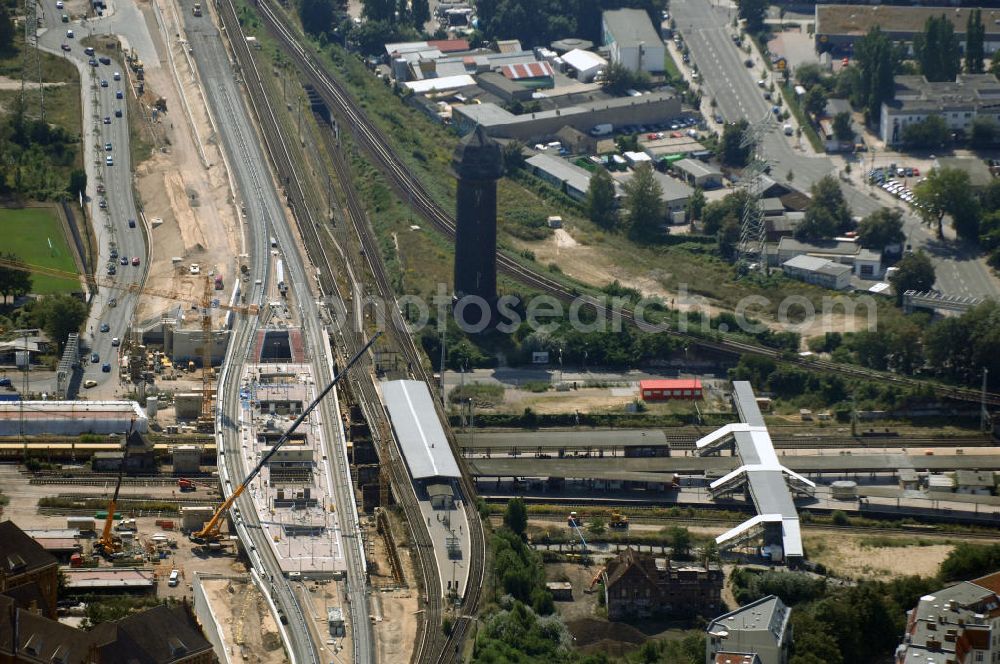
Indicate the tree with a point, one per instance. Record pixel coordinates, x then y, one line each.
13 281
643 201
985 131
754 11
618 78
316 15
809 75
975 37
513 156
420 13
679 540
696 204
881 229
379 10
602 209
946 191
515 516
827 214
596 526
915 273
843 129
814 102
6 31
931 132
77 182
937 50
59 315
874 56
731 151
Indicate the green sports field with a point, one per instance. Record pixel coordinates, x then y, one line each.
35 235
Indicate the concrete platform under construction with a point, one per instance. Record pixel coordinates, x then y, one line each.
293 493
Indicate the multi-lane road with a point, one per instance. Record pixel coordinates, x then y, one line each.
707 32
105 121
265 217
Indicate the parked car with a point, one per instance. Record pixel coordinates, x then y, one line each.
105 327
87 384
135 260
69 34
95 358
65 47
104 82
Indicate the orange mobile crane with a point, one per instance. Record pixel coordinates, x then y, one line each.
210 533
109 544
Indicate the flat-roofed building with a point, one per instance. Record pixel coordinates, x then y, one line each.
818 271
761 628
568 178
838 27
957 102
698 174
501 123
670 389
632 40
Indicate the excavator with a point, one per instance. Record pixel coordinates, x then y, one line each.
210 532
108 543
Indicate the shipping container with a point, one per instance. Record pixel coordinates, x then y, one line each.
84 523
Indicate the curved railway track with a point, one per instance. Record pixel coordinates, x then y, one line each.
377 145
432 644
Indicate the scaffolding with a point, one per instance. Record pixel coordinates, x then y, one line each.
31 66
750 250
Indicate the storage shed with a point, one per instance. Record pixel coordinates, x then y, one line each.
666 390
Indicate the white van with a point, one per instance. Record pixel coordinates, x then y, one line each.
175 578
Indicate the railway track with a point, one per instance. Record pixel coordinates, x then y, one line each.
432 644
377 145
639 518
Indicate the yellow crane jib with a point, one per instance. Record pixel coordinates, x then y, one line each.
108 543
210 532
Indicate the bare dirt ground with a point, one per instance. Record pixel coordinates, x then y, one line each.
188 205
394 608
846 556
247 624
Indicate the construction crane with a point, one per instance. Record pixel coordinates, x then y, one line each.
108 543
210 532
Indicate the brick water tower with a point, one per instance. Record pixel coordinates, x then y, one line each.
478 164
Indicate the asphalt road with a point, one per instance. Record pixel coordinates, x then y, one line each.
110 225
706 29
266 218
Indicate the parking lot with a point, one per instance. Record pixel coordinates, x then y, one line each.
891 178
